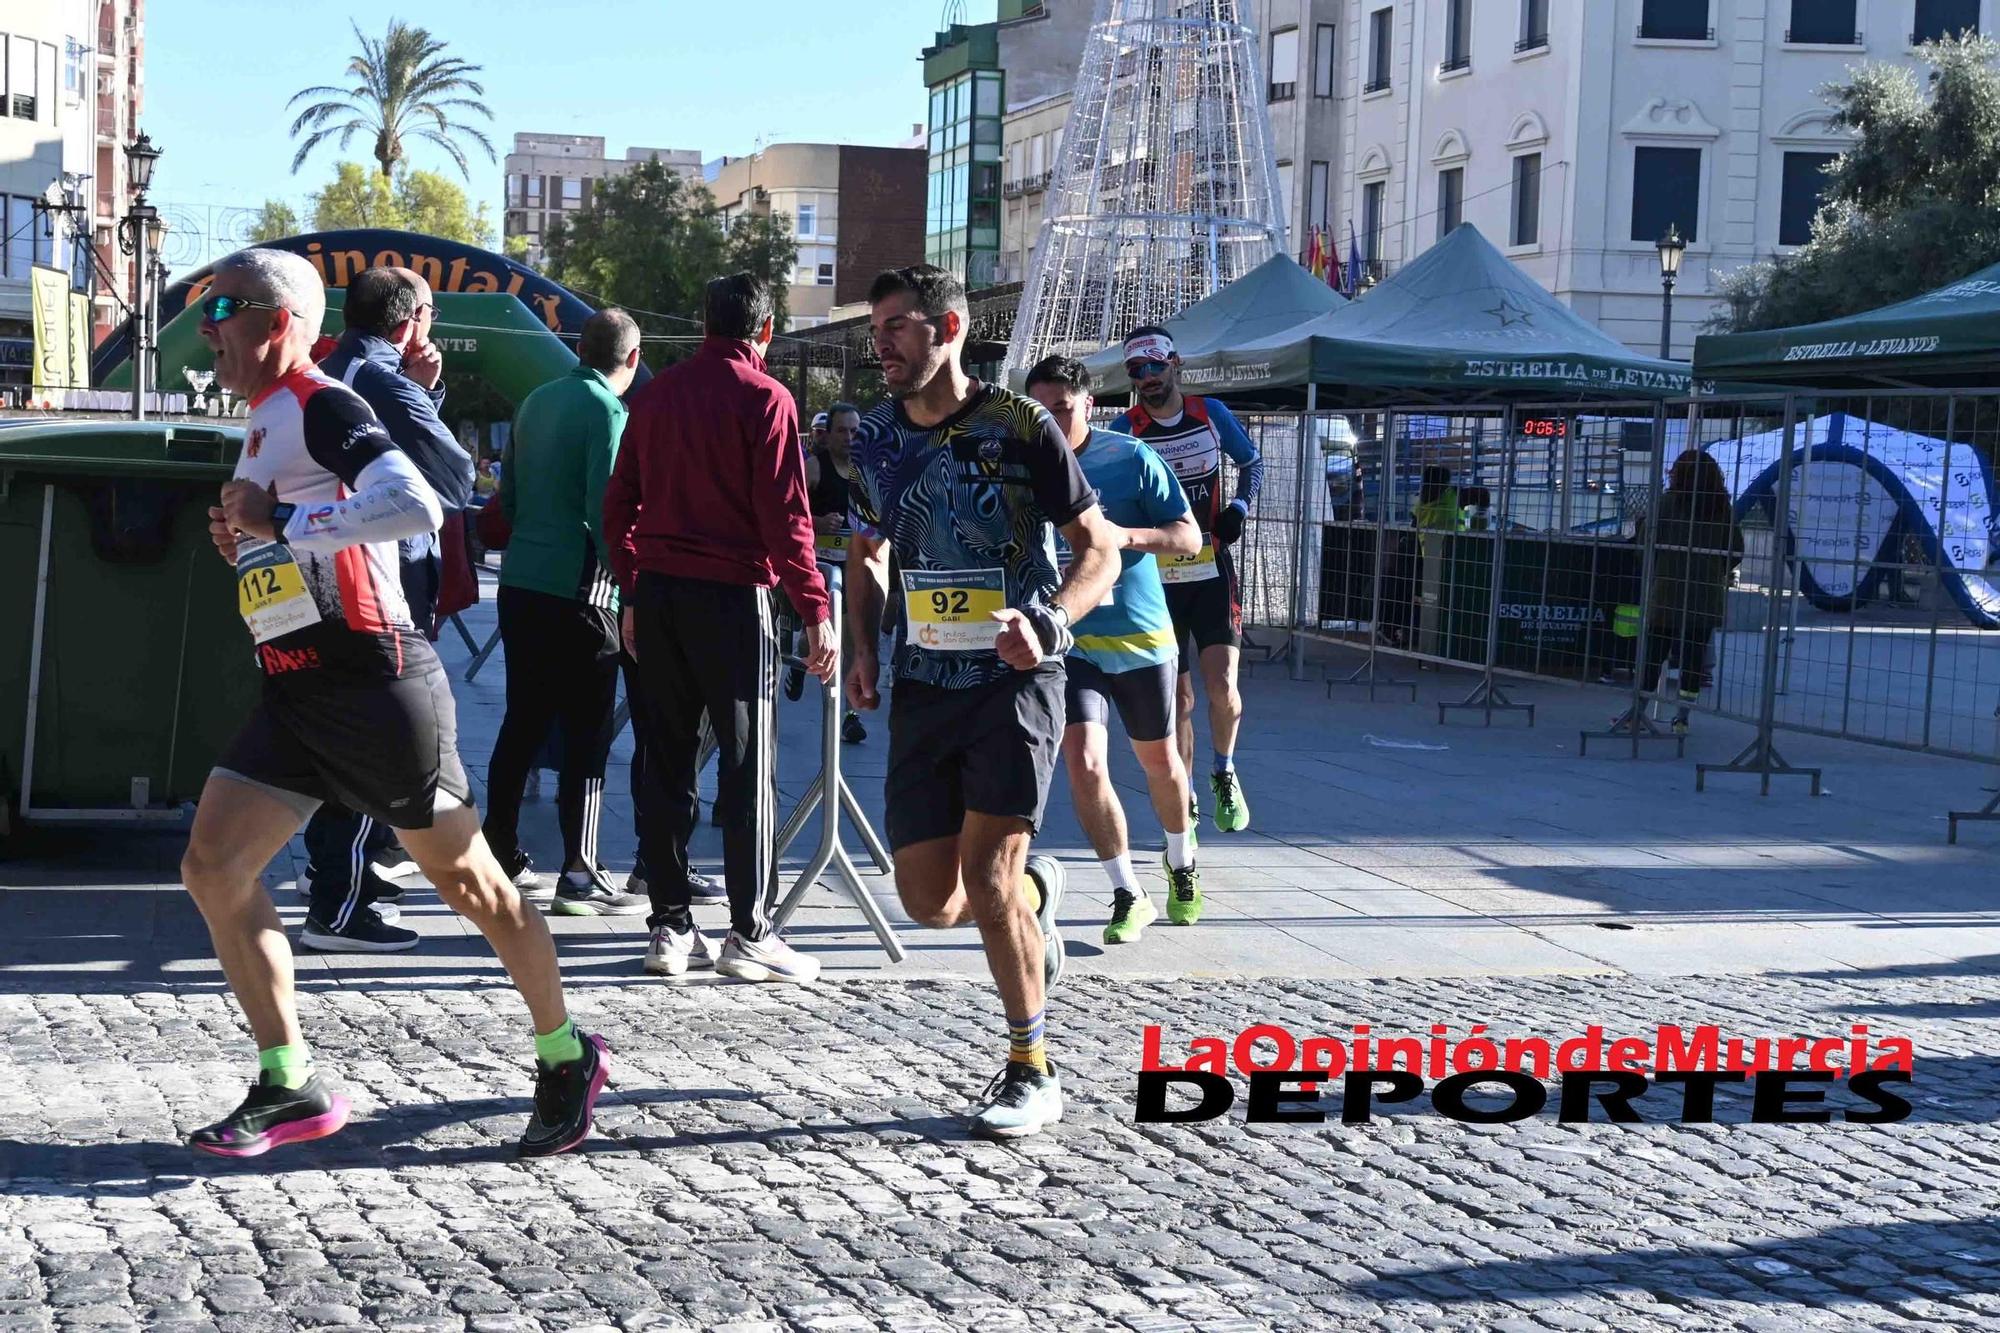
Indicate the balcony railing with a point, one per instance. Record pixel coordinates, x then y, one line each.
1283 92
1380 83
1668 32
1852 37
1919 38
1452 64
1534 41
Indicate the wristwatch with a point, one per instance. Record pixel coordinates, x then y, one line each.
281 517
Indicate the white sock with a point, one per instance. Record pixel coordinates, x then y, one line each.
1179 855
1119 870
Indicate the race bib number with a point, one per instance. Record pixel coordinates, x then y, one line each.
831 547
1196 568
951 611
271 590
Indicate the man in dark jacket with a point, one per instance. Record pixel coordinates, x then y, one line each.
705 511
387 357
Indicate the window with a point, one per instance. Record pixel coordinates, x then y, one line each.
1526 223
1804 182
21 79
572 191
1451 200
825 277
1944 18
534 199
1316 191
1666 192
1323 55
1014 155
1378 49
513 188
1823 23
1534 25
1285 189
1677 20
808 219
1457 36
1284 64
1371 220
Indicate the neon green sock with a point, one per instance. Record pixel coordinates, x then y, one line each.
288 1066
559 1047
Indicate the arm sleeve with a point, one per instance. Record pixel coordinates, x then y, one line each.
1160 492
621 503
1244 454
778 499
390 500
1054 474
600 448
412 420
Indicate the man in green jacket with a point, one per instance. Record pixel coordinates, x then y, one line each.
559 611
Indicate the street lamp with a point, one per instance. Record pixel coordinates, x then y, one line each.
1671 248
139 235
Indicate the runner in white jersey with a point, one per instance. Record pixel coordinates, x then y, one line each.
355 708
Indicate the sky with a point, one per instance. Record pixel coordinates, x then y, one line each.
715 77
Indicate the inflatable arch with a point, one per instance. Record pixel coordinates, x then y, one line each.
488 301
1867 489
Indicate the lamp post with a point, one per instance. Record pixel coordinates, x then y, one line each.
1671 248
140 231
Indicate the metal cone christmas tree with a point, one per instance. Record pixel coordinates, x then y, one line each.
1165 191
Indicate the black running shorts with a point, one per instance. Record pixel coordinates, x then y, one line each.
385 747
986 748
1207 614
1143 696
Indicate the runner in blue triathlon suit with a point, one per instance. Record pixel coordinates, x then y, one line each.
1194 435
1124 657
969 481
355 708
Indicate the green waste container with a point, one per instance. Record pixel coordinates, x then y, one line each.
108 581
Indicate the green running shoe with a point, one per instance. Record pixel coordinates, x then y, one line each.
1194 818
1183 894
1232 812
1131 913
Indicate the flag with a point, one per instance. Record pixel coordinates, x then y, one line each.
1333 278
1312 259
1353 261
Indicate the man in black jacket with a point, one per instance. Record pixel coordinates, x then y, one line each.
387 357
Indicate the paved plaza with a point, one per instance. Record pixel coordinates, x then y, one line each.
774 1157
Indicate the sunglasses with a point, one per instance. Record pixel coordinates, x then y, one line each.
1144 370
216 309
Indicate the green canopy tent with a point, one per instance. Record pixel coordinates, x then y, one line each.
1461 324
490 335
1948 338
1275 296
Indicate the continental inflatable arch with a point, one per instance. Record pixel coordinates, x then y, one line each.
1858 490
496 319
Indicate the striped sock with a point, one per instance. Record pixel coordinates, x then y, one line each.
291 1066
1024 1042
559 1047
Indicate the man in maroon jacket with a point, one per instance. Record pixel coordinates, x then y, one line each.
705 511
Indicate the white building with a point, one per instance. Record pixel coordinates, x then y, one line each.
1571 132
552 174
70 92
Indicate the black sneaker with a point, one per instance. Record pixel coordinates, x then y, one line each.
565 1096
706 888
851 729
520 872
364 932
272 1115
795 683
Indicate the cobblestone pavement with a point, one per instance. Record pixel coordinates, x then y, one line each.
774 1157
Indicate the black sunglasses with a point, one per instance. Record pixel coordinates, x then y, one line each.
216 309
1144 370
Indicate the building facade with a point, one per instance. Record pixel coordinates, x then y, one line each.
549 175
71 88
1571 132
853 210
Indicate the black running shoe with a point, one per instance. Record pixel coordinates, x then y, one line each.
795 683
273 1115
851 729
565 1096
364 932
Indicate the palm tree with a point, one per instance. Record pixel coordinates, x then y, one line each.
404 87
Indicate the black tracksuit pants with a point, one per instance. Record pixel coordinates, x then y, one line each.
708 646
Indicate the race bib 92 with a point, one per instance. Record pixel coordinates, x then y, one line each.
951 611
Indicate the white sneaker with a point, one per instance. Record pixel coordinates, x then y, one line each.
670 953
768 959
